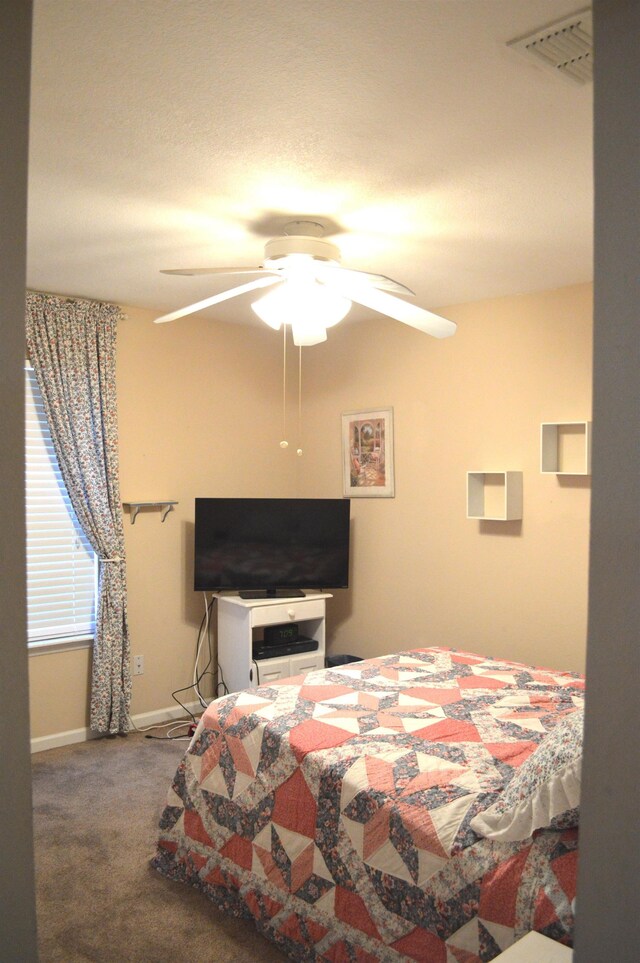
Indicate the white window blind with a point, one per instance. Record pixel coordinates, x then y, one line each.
61 565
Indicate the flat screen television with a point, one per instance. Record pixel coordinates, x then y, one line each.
271 547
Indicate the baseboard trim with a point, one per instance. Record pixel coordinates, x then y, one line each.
142 719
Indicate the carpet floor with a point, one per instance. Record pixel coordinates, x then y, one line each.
96 811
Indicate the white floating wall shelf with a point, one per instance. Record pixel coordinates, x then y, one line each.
494 496
565 448
134 508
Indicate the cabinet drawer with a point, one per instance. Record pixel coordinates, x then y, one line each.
269 670
307 662
297 610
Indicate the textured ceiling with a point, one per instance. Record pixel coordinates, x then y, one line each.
169 135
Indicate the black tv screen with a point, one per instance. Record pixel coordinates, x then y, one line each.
271 546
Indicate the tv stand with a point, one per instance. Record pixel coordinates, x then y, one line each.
241 623
271 594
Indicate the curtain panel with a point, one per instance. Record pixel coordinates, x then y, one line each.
72 347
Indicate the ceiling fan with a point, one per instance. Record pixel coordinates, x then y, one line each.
313 291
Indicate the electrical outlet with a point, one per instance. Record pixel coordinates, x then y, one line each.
138 665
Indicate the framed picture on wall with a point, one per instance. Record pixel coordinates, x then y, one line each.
367 453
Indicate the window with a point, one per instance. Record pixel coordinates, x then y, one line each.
61 565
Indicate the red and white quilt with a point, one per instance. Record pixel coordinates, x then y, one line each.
334 809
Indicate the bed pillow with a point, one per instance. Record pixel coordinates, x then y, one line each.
545 791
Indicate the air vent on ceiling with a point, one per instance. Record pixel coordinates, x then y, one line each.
565 46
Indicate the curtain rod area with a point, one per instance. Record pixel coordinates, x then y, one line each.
67 297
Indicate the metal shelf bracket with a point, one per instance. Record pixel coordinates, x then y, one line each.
134 507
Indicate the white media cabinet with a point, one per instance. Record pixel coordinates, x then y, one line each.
241 622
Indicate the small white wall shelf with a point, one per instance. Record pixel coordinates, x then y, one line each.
565 448
494 496
134 508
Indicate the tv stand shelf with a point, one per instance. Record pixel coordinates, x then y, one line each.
242 621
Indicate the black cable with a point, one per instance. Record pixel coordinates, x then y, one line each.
221 682
169 735
199 676
257 671
205 671
209 646
185 688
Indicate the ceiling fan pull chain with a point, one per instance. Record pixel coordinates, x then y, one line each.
299 450
284 443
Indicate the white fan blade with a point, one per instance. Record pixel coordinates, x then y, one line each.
217 298
191 272
395 308
381 281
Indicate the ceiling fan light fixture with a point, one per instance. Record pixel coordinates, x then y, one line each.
329 307
268 313
307 333
302 302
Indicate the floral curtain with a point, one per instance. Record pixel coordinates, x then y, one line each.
72 347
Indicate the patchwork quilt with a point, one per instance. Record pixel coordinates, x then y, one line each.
334 809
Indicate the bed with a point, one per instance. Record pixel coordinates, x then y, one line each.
417 806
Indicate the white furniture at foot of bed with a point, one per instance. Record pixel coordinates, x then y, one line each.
536 948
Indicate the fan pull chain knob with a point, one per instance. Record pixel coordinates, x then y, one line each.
284 444
299 451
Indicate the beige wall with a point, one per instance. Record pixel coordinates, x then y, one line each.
422 573
200 414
